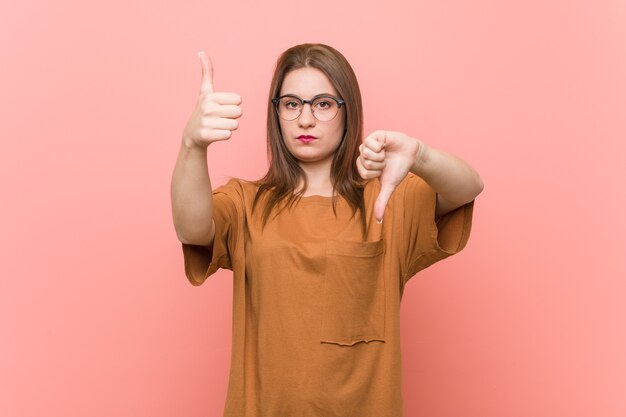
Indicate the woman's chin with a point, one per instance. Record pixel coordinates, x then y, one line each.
312 159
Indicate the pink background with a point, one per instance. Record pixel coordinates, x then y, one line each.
96 315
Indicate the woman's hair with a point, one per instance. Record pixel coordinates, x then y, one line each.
284 174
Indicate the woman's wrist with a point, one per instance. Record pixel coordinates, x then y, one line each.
422 159
190 145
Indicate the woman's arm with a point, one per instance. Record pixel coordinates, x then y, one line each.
392 155
454 180
212 120
191 193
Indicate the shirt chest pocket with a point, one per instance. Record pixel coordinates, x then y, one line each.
353 293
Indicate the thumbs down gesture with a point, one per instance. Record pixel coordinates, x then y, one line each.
389 156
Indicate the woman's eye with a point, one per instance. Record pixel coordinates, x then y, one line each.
324 104
292 104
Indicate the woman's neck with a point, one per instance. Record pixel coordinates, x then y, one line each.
318 178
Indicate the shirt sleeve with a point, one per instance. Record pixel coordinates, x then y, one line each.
427 241
202 261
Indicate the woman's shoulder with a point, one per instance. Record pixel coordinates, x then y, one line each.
240 183
238 188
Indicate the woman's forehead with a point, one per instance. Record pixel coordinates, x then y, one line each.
306 83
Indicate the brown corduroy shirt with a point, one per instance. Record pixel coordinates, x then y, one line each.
316 309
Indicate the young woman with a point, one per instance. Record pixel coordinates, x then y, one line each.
321 248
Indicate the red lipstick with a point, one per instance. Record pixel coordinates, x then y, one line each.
306 138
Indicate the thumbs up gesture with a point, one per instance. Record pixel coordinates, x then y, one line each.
388 156
214 116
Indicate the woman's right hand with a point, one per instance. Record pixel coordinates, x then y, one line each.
214 116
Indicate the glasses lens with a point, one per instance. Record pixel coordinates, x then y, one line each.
289 108
325 108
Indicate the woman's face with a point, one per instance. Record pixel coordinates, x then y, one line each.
306 83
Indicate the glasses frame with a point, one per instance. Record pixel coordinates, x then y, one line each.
303 102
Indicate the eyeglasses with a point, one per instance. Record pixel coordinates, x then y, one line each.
323 106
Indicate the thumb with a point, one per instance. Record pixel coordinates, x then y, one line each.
381 202
206 85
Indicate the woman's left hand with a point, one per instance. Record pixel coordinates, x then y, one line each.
389 156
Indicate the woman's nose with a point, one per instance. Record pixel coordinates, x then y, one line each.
306 116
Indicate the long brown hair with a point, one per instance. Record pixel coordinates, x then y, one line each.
284 173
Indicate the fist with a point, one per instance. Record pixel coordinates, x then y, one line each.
215 114
388 156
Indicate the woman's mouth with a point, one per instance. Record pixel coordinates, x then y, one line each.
306 138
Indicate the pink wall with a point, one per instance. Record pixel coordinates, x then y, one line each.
96 315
